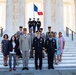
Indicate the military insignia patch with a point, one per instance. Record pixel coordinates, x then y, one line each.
47 42
40 42
41 39
35 39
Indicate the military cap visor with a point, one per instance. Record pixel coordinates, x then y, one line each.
49 27
37 32
20 27
50 34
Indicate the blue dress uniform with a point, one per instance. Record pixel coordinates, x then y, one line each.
34 26
38 24
30 24
50 46
38 46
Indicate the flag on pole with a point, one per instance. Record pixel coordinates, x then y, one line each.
37 10
40 13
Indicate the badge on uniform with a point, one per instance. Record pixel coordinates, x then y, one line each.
40 42
35 40
41 39
47 42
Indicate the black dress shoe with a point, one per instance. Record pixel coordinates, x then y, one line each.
52 68
31 57
25 68
49 67
40 68
36 68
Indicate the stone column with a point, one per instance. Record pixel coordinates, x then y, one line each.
59 16
21 13
47 14
75 14
53 14
9 17
15 16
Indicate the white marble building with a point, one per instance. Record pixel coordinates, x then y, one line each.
56 13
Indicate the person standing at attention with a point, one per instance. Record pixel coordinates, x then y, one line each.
25 46
38 48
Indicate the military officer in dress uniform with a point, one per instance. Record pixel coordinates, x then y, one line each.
20 32
49 30
29 23
38 48
25 46
43 36
50 46
32 36
34 25
38 24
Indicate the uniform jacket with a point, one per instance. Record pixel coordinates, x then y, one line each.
25 43
38 23
50 45
32 36
43 36
38 44
19 34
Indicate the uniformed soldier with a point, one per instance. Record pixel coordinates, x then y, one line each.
25 46
34 25
29 23
38 24
38 48
50 46
49 31
32 36
20 32
43 36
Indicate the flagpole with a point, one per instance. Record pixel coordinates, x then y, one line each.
33 11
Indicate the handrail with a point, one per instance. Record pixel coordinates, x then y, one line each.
1 31
67 32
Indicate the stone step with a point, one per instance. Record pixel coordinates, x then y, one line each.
45 62
65 54
44 66
68 59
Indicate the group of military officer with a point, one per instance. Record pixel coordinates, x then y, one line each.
39 43
33 24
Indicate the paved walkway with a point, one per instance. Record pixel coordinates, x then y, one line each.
38 72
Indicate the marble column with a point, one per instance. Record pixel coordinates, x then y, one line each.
47 14
22 13
9 17
15 16
75 14
59 16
